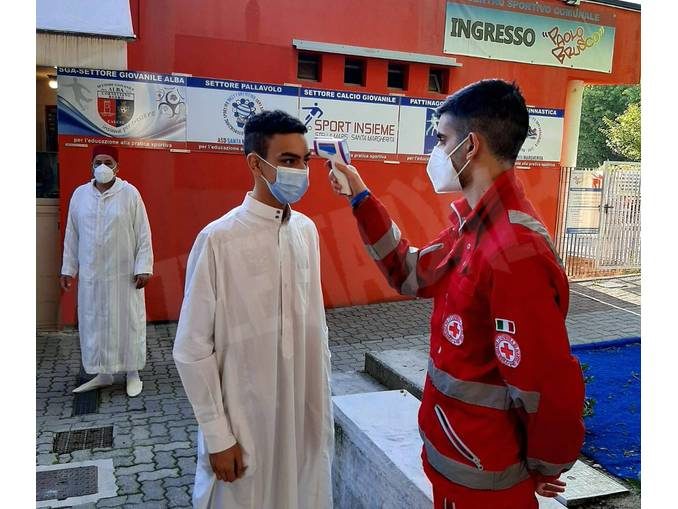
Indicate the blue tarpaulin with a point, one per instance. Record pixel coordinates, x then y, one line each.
613 431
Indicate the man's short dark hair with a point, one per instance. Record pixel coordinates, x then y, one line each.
494 108
262 126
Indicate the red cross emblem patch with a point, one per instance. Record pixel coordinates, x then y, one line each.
507 350
453 330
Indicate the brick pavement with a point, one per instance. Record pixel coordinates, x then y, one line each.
590 320
154 434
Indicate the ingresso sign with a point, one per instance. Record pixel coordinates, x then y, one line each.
530 32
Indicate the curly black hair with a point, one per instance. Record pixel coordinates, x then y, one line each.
262 126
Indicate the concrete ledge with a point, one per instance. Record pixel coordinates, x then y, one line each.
399 369
354 382
377 459
585 484
549 503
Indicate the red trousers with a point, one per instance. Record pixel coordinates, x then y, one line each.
447 495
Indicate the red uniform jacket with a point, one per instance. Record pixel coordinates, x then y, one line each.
503 397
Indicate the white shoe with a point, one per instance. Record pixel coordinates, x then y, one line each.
134 384
101 380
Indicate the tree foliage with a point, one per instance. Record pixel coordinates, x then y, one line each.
601 102
623 133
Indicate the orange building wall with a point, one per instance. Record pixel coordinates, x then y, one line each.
252 40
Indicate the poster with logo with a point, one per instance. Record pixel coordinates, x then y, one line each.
417 128
532 32
122 108
220 109
369 122
584 201
544 140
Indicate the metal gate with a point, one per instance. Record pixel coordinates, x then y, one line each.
598 231
619 237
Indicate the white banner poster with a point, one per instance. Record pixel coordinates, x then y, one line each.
220 109
544 140
369 122
584 200
124 108
417 128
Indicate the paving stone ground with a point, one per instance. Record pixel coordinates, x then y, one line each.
623 288
154 434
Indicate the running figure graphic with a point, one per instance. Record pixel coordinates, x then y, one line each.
78 94
314 112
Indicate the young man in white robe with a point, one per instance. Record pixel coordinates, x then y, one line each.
108 247
251 345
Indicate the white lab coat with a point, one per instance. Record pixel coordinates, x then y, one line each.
108 242
252 352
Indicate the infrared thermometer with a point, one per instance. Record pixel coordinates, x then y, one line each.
335 150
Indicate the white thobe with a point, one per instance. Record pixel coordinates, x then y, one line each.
107 243
252 352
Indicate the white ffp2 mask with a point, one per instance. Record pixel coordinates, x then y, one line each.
441 171
103 174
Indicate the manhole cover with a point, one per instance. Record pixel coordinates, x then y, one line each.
66 483
91 438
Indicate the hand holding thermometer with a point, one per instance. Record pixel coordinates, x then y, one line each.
335 150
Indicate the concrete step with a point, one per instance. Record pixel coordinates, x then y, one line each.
406 369
549 503
586 484
354 382
398 369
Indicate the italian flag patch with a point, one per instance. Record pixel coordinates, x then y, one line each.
505 325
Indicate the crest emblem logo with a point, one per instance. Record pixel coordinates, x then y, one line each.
238 108
170 102
115 103
507 350
535 133
453 330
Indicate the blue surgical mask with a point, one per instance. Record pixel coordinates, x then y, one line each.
290 183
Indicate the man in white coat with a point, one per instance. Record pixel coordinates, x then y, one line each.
108 246
251 345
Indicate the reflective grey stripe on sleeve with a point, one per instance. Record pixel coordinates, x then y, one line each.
432 248
411 284
481 394
386 244
526 220
471 477
546 468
